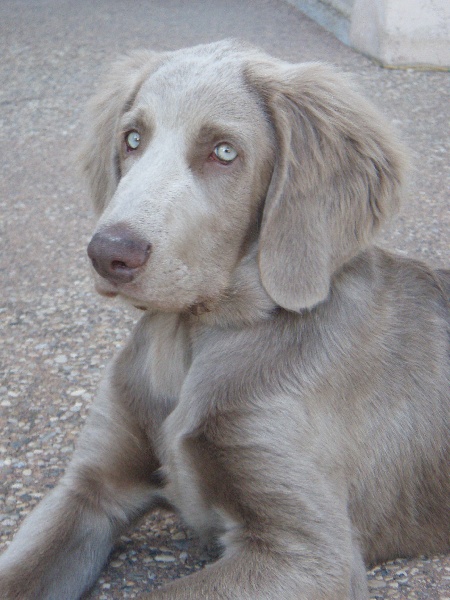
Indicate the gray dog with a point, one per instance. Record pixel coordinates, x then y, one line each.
287 388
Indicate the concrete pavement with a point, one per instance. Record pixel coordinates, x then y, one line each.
55 332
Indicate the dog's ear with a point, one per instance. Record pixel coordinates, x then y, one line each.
98 154
337 177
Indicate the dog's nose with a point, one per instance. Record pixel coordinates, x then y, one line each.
117 253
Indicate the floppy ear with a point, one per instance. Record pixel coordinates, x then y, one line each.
337 176
98 155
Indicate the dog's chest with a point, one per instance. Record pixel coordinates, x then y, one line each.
164 350
167 359
167 356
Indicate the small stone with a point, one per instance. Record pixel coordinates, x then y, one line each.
377 584
116 564
77 393
8 522
164 558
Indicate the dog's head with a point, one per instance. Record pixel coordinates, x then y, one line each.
195 156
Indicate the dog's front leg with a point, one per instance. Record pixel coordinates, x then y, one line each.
62 545
280 506
248 575
254 575
255 570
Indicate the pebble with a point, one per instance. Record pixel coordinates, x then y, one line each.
60 359
165 558
77 393
116 563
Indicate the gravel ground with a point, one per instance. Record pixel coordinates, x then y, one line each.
56 334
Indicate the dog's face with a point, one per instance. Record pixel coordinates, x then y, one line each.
194 159
197 155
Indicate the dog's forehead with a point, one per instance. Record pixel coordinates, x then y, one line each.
211 62
205 84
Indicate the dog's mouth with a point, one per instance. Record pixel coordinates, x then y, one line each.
106 289
110 289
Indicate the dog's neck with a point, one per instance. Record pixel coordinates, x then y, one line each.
246 302
243 303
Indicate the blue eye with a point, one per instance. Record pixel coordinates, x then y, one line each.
225 153
132 140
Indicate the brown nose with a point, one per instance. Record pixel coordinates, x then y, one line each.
117 253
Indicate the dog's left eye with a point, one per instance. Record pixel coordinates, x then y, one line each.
225 153
132 140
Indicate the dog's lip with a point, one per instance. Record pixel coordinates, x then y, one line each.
106 289
110 290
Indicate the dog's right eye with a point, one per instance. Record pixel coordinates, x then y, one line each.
132 140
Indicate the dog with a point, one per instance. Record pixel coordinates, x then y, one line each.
287 387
